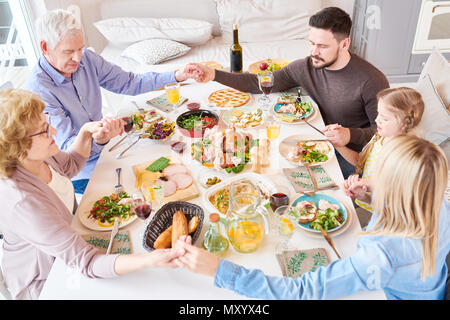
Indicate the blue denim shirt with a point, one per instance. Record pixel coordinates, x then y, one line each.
380 262
71 102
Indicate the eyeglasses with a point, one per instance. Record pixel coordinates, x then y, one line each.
47 131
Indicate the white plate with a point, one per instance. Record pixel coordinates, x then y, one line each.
83 214
286 147
226 117
266 185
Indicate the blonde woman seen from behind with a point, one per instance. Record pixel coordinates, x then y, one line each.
402 252
399 112
38 200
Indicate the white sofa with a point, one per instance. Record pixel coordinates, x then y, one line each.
278 19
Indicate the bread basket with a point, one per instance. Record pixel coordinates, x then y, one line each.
163 219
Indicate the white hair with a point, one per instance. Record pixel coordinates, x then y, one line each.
53 25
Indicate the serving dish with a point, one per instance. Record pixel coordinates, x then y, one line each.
258 180
186 122
272 65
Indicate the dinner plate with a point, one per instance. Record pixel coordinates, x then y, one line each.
287 144
316 198
128 112
277 107
309 117
254 67
227 116
83 214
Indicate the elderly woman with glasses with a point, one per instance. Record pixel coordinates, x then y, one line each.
38 200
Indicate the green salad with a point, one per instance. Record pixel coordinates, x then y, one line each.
106 209
328 219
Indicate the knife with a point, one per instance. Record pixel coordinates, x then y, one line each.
122 153
117 143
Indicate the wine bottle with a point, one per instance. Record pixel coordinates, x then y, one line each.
235 52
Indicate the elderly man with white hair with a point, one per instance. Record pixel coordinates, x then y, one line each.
68 78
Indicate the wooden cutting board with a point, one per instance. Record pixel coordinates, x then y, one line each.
148 177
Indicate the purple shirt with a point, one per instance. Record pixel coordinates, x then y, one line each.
36 226
72 102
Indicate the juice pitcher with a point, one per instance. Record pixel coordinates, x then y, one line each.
246 225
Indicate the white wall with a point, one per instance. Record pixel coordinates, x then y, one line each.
346 5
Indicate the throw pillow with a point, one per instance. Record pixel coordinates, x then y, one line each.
438 67
155 51
129 30
435 122
266 20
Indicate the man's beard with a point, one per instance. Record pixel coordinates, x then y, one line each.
326 64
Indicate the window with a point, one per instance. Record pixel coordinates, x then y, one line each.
17 50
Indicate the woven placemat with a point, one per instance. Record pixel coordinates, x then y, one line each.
121 242
294 263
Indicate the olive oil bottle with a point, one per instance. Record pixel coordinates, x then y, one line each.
235 52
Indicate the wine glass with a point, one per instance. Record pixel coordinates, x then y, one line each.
285 228
142 210
265 80
173 93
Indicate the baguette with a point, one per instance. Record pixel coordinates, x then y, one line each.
193 224
164 240
179 226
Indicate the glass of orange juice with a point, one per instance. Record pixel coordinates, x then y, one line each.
173 92
273 129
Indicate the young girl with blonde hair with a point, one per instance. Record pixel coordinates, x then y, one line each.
402 252
399 111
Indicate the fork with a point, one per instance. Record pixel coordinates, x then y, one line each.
113 234
141 110
118 188
330 242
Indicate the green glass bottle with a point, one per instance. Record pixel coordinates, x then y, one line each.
214 242
235 52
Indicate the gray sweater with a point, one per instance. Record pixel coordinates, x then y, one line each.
36 226
346 96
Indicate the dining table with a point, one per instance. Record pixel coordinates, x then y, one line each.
65 282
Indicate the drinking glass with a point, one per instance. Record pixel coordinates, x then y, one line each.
173 92
273 129
265 80
285 228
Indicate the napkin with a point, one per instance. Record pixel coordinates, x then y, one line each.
294 263
161 103
121 242
301 181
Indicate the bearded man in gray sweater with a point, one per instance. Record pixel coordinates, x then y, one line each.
343 85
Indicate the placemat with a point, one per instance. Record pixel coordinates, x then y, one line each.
301 181
121 242
162 103
294 263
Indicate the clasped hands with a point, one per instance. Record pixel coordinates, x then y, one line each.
104 130
358 188
185 255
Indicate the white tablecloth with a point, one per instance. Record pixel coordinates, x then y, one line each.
65 283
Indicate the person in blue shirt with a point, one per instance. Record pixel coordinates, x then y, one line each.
68 78
402 251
